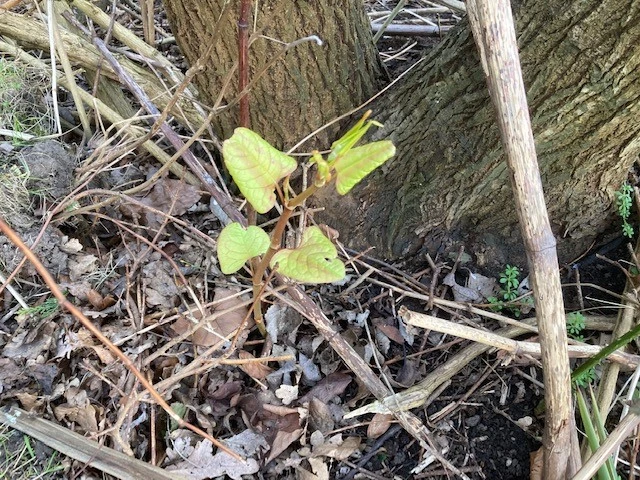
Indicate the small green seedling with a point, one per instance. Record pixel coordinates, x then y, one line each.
510 280
624 202
575 325
46 309
262 172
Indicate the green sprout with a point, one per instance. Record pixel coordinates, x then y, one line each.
46 309
509 279
575 325
261 173
624 202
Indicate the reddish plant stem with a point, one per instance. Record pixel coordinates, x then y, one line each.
86 323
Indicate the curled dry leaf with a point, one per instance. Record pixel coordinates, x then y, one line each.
98 301
257 370
337 448
380 423
221 326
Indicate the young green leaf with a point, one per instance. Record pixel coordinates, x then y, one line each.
359 162
314 261
237 245
256 167
353 136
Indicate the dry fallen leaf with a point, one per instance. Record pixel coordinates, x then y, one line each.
329 387
201 463
287 393
337 448
320 416
257 370
224 325
98 301
287 431
380 423
167 195
536 461
389 328
80 265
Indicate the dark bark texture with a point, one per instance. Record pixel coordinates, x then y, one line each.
307 87
449 179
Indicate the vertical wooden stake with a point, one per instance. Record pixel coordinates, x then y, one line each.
494 33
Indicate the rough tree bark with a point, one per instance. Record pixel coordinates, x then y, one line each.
449 180
308 87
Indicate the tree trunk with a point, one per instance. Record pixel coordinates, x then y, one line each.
449 179
308 87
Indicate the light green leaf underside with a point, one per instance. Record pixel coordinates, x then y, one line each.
359 162
256 167
314 261
237 245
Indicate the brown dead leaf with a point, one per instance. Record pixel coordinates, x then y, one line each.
257 370
29 401
29 344
337 448
223 325
388 327
536 462
320 416
380 423
167 195
230 321
79 289
84 416
70 245
287 430
11 374
104 354
329 387
319 467
80 265
98 301
160 286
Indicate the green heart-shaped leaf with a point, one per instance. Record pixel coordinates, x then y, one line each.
314 261
237 245
359 162
256 167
